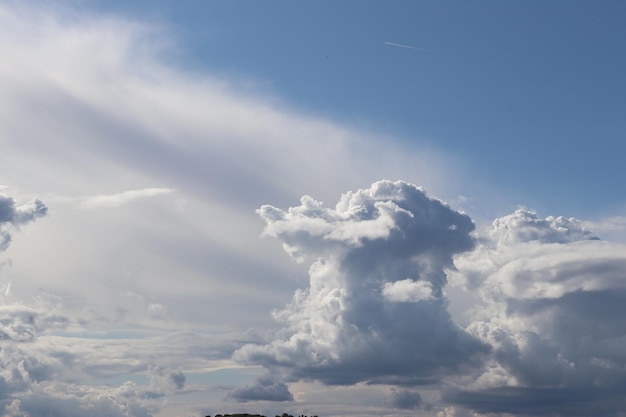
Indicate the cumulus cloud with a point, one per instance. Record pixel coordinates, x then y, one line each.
525 226
266 388
12 216
361 318
550 295
552 309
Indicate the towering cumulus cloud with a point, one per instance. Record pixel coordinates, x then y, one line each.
374 310
553 311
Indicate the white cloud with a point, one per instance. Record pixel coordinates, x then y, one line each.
525 226
552 308
125 197
346 326
408 290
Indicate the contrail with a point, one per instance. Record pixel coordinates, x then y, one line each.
405 46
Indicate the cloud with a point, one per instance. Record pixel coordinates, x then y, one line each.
39 374
525 226
12 216
453 411
407 290
405 399
164 380
348 326
69 400
611 228
552 298
104 88
126 197
20 323
547 320
266 388
35 383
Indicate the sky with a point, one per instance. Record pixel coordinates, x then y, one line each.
348 208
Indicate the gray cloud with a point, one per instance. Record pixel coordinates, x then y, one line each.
22 324
165 380
266 388
68 400
543 401
39 372
12 216
32 383
405 399
552 308
375 307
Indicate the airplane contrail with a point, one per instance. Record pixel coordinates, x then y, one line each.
405 46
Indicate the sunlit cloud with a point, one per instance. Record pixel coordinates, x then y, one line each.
125 197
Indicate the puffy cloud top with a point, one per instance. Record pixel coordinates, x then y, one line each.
398 213
525 226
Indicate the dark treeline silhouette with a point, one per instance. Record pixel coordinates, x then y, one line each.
256 415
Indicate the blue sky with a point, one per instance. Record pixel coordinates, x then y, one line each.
531 95
332 208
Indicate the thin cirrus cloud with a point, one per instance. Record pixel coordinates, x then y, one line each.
125 197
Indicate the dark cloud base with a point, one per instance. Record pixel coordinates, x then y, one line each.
525 401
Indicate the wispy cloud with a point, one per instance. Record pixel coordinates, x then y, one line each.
125 197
